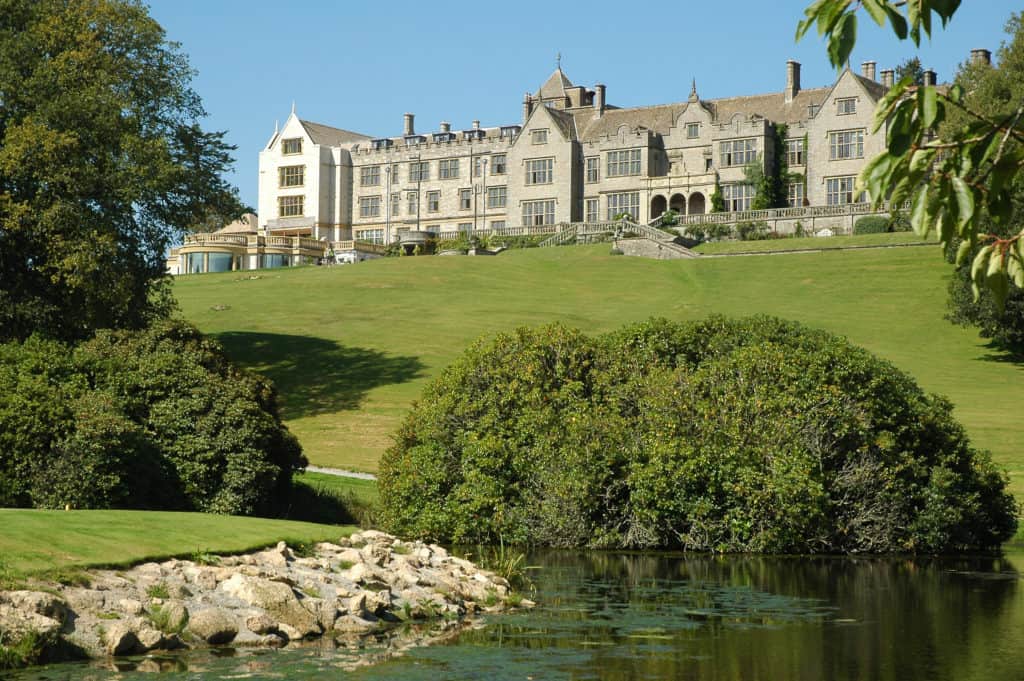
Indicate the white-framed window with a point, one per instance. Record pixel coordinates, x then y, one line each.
396 203
374 236
625 202
738 152
465 199
839 191
737 197
413 202
539 136
496 197
592 210
419 171
539 212
291 176
846 144
369 176
465 227
625 162
290 206
796 194
795 151
497 224
498 164
847 105
448 169
369 206
539 170
593 169
291 146
692 130
433 201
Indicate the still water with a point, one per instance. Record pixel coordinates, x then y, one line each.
664 616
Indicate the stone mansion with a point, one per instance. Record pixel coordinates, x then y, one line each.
572 157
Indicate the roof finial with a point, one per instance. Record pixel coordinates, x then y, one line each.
558 61
693 91
276 129
293 107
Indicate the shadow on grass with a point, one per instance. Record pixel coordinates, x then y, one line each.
998 353
315 375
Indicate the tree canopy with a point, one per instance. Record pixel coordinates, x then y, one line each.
956 177
103 163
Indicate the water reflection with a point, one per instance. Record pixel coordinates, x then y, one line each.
661 616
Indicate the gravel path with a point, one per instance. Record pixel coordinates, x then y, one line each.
340 472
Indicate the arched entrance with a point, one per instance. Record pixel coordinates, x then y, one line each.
678 203
696 203
658 205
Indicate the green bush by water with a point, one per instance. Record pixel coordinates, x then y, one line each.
723 435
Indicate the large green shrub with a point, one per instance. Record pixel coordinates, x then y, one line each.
871 224
139 419
725 435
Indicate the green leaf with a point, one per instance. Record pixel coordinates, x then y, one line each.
1015 270
979 264
889 101
964 202
899 24
875 9
962 251
901 127
842 39
919 211
927 105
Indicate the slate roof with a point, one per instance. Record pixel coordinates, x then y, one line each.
328 136
661 117
555 85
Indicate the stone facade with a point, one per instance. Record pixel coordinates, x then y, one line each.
571 158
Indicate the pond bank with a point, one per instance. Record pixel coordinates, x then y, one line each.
361 584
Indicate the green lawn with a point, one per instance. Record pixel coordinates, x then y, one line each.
809 243
34 540
363 490
351 347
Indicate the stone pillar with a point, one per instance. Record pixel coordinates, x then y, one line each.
792 79
408 127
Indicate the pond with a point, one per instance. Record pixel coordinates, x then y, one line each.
673 616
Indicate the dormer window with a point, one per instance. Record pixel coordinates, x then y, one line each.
473 134
440 137
510 130
381 144
291 146
846 106
539 136
413 140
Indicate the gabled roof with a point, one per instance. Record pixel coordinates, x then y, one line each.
876 90
332 137
660 118
564 121
555 85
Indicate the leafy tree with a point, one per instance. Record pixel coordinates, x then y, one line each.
140 419
957 180
724 435
102 164
911 69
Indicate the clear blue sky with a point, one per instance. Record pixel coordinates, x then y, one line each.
361 65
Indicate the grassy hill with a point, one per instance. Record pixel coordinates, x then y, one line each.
351 347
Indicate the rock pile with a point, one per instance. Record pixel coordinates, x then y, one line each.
358 585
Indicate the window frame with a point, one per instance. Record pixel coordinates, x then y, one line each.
837 143
539 171
434 201
287 144
625 202
466 198
692 131
539 136
495 164
846 106
369 176
593 169
448 169
282 176
290 201
369 206
624 163
732 155
497 197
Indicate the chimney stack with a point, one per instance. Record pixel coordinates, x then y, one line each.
981 56
527 106
929 77
599 90
446 126
888 77
867 69
792 80
476 125
407 128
